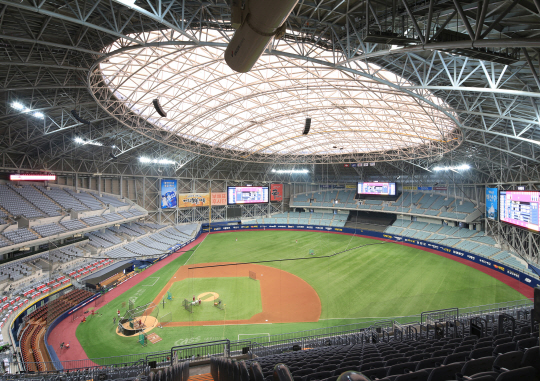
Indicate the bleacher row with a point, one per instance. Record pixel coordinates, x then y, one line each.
316 218
498 357
37 321
179 371
430 204
48 230
154 244
35 201
473 241
149 244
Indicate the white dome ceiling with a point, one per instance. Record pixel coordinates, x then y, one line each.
263 112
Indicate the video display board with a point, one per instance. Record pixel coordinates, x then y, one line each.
377 189
31 177
520 208
168 194
492 200
247 195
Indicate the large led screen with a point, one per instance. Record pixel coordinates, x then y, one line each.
247 195
377 189
520 208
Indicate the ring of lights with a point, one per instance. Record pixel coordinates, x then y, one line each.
357 114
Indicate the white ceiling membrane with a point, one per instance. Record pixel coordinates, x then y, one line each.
262 113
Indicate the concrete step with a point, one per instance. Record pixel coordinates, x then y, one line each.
201 377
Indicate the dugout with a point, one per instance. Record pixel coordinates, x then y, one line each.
92 281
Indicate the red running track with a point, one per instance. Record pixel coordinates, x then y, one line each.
65 330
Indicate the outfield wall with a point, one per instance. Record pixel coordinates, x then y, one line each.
460 255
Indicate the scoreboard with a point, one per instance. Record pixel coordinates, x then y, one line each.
520 208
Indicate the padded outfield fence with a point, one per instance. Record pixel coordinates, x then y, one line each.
409 327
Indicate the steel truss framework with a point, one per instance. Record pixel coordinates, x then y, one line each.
49 48
480 58
518 240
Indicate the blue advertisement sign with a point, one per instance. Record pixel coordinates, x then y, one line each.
492 199
168 194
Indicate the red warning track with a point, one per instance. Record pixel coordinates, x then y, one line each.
275 284
65 331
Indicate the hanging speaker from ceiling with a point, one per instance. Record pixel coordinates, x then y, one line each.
307 126
158 108
78 117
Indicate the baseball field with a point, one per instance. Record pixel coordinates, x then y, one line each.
373 281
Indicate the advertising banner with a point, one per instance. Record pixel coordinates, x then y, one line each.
492 199
168 193
190 200
219 198
276 192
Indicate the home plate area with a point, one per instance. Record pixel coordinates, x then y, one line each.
153 338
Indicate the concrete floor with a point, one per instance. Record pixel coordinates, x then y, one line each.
201 369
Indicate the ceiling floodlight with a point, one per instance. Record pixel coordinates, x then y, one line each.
17 106
290 171
84 142
127 2
39 115
461 167
147 160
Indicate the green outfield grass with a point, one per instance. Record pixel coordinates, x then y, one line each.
228 289
370 283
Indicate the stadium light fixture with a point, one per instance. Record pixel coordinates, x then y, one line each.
17 106
290 171
461 167
147 160
85 142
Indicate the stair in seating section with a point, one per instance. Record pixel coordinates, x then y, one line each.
201 377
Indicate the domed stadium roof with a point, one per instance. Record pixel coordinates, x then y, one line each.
261 114
467 78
